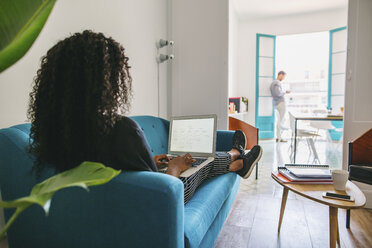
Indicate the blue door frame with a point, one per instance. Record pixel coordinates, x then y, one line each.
335 135
265 124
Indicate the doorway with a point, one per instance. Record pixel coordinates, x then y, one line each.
315 64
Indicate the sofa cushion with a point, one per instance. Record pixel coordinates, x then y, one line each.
23 127
361 173
15 163
156 131
205 205
211 236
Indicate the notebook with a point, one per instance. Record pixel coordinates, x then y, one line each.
284 179
309 171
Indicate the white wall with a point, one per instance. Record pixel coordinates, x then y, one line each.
200 67
135 24
233 50
358 102
247 29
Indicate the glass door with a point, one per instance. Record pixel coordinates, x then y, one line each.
337 68
265 74
336 75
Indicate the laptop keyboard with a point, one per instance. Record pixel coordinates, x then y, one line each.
198 161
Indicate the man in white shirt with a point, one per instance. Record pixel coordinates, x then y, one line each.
278 94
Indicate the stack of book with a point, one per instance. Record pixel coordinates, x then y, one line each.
304 174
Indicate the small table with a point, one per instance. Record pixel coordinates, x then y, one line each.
315 192
311 117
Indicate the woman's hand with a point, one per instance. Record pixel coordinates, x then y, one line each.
179 164
161 160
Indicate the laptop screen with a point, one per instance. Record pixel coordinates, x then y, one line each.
195 135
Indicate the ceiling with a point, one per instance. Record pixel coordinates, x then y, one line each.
247 9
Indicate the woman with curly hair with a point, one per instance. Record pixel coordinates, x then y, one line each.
77 106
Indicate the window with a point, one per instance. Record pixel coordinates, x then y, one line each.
305 58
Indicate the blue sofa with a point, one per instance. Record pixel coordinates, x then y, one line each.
136 209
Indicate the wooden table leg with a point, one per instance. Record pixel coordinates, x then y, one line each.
284 201
338 236
333 226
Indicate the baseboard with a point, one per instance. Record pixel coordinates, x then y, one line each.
367 190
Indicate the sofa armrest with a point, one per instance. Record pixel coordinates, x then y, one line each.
135 209
155 207
224 140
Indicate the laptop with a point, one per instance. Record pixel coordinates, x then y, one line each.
195 135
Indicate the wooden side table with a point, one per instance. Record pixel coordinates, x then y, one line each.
315 192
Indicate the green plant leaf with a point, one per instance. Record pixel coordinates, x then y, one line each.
20 23
85 175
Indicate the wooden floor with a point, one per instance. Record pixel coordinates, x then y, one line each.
253 220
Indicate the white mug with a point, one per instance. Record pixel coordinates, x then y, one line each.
339 178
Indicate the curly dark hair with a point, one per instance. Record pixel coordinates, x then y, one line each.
79 92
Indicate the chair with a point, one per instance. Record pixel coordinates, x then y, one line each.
322 125
360 162
250 132
303 133
328 127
